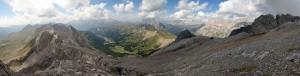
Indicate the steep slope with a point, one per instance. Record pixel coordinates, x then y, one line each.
275 52
132 40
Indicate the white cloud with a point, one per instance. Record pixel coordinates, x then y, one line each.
191 12
45 11
192 5
32 7
152 5
71 4
152 8
44 8
233 9
121 8
91 12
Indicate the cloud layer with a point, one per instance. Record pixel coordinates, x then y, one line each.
123 8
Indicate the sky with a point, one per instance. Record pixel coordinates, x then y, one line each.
23 12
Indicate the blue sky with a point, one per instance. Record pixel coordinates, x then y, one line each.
171 6
6 10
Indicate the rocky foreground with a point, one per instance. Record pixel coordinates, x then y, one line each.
268 47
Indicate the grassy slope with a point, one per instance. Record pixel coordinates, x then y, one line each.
130 40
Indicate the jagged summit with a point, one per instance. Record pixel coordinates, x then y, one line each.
284 18
265 23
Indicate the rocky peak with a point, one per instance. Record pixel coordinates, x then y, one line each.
283 18
263 23
184 35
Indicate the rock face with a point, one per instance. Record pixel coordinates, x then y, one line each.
184 35
266 23
263 24
219 28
